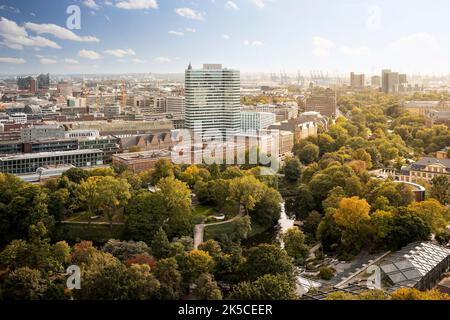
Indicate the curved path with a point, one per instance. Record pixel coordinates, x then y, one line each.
199 229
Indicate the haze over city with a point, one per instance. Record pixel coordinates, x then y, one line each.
126 36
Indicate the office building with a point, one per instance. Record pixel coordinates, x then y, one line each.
111 111
285 111
175 105
76 102
23 83
19 117
42 132
357 81
30 162
43 81
108 144
375 81
140 161
425 169
390 81
65 89
323 102
212 101
255 121
33 86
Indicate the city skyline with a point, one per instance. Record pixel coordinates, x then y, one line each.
157 36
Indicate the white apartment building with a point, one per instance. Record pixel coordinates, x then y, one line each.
255 121
212 100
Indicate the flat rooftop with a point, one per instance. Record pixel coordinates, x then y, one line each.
144 155
49 154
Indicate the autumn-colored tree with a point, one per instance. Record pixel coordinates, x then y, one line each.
352 216
433 213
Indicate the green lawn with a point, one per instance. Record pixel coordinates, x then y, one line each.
214 232
257 229
84 217
203 210
96 233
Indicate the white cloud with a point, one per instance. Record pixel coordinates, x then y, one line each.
71 61
191 30
12 60
189 13
91 4
176 33
58 32
88 54
254 43
120 53
422 41
231 5
259 3
47 61
226 37
16 37
354 51
162 60
136 60
322 47
32 14
9 8
137 4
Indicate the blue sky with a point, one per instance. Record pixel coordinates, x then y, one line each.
119 36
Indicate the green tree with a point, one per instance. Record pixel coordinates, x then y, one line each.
163 169
267 259
247 191
267 210
76 175
142 284
206 288
160 245
292 169
193 264
433 213
113 195
294 242
58 206
145 214
24 284
440 189
124 250
267 287
176 199
311 224
166 271
309 154
405 229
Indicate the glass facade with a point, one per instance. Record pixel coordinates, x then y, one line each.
213 101
29 163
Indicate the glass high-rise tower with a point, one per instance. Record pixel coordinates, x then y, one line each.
212 101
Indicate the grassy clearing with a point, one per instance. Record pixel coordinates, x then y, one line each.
98 234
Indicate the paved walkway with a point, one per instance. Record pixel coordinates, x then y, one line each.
199 229
93 223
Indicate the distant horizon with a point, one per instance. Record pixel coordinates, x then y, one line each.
162 36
